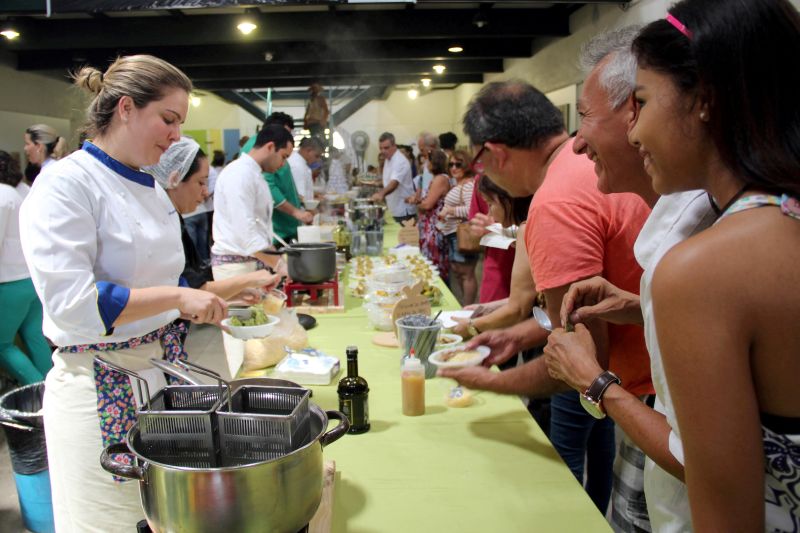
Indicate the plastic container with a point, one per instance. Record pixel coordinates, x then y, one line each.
22 408
420 333
412 381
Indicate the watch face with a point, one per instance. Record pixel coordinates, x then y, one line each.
592 407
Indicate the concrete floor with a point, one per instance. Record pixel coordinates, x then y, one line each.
204 346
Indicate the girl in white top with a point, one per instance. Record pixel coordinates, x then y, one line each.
22 311
43 146
102 241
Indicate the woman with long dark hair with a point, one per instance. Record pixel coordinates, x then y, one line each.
717 94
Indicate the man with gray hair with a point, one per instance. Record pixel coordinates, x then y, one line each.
608 109
573 233
427 142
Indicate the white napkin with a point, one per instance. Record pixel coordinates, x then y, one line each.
495 238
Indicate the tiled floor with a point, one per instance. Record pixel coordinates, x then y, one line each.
204 346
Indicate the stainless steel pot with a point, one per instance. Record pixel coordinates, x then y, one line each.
280 495
310 262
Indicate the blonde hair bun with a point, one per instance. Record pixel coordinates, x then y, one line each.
89 78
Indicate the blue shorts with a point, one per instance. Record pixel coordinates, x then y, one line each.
455 255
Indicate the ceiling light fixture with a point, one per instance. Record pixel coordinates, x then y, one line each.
439 69
455 49
9 31
413 93
426 82
246 27
195 100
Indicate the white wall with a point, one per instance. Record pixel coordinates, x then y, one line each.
216 113
27 99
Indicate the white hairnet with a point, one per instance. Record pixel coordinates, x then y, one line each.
174 163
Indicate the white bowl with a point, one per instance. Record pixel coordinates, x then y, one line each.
252 332
311 204
438 358
448 340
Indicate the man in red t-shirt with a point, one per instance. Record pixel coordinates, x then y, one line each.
574 232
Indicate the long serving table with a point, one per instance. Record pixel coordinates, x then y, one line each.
487 467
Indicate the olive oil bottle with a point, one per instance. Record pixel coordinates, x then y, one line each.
353 392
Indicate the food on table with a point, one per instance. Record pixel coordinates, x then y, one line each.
458 397
257 318
433 293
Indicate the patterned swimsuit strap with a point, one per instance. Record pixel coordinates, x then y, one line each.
789 205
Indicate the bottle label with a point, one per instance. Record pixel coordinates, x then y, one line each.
356 410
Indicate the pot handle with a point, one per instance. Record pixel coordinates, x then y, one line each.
337 432
117 468
12 422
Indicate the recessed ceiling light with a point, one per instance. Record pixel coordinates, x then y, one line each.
246 27
455 49
413 93
439 69
426 82
9 33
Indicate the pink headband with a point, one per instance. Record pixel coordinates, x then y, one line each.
679 25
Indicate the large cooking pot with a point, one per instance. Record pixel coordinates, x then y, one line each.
310 262
280 495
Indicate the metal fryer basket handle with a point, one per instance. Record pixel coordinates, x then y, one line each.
179 368
139 379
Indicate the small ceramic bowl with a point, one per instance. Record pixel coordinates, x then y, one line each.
252 332
442 357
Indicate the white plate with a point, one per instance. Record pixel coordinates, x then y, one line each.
436 357
447 317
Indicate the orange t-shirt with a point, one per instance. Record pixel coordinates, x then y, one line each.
574 231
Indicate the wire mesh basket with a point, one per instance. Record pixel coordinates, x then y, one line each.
262 423
179 425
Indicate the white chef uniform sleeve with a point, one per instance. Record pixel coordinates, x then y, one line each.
59 240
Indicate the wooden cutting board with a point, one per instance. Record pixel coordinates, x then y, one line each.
386 339
321 522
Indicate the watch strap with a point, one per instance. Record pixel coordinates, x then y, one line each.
600 384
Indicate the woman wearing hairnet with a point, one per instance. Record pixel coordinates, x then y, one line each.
183 172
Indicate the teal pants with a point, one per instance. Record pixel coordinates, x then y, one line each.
21 312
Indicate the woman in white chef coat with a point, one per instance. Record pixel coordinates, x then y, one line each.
103 244
183 172
43 146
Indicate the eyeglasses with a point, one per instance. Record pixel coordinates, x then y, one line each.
457 164
477 164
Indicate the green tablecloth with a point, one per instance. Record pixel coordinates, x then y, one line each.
487 467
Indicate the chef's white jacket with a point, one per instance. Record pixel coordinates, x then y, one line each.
303 175
91 230
242 209
12 262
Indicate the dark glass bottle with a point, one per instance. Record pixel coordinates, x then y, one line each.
353 392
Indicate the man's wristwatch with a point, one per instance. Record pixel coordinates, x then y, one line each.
471 329
592 399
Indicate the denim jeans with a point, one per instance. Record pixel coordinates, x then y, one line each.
197 228
583 441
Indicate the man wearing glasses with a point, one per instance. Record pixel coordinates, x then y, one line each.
574 232
397 180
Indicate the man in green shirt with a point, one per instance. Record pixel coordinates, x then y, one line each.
289 212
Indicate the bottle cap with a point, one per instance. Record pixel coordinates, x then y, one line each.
412 363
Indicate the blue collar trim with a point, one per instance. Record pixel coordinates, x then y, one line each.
142 178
